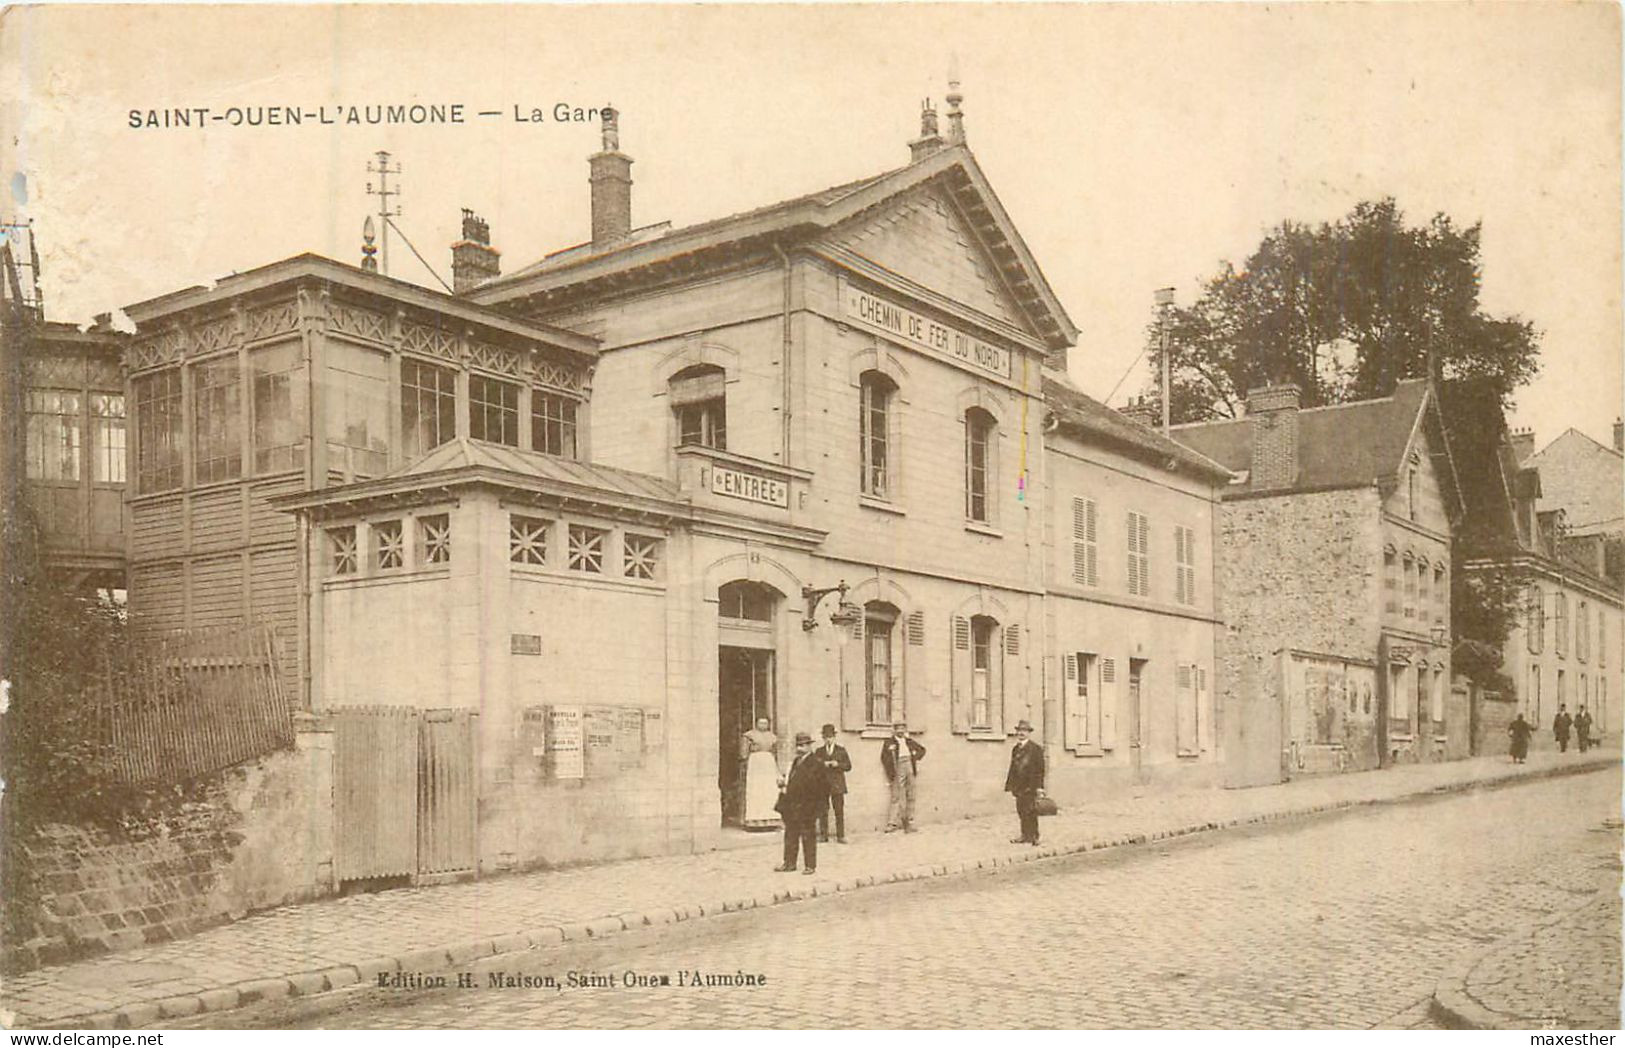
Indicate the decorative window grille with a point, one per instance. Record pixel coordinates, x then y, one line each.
553 424
107 435
527 539
586 549
493 410
158 430
1085 558
388 545
1139 555
343 556
1185 565
642 557
434 539
428 406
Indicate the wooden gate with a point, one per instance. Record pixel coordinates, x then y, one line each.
447 794
403 793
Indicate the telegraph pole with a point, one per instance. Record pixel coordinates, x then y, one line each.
383 170
1165 307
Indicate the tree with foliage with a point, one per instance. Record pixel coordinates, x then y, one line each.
1345 310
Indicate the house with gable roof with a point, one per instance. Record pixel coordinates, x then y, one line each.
1334 563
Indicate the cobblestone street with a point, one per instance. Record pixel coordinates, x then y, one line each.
1342 922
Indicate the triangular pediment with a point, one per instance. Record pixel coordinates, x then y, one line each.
922 237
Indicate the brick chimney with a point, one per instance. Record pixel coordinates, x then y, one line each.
1142 411
473 259
1523 444
610 172
1274 414
930 141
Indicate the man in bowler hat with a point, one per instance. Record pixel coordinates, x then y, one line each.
1026 781
800 802
836 765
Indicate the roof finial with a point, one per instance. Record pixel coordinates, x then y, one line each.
956 119
368 248
612 130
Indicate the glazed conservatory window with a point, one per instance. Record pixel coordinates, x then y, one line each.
493 410
428 406
158 430
107 435
53 435
217 421
553 424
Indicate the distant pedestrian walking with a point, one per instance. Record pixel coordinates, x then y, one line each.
1582 730
1560 728
901 763
1520 730
1026 780
836 764
800 802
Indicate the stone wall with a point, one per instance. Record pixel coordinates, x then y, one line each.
257 837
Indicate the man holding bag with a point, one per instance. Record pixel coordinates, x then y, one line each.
1026 781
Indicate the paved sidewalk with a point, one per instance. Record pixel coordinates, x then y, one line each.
336 943
1564 974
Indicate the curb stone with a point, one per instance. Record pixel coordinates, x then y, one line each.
263 990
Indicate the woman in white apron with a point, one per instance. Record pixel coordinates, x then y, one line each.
758 749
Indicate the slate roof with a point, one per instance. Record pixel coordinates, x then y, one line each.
1077 410
805 216
1339 446
464 459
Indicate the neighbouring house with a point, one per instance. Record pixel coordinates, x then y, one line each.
1568 645
1334 545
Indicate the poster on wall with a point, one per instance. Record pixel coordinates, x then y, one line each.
654 729
564 742
601 753
629 736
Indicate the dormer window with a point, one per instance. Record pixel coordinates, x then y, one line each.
700 405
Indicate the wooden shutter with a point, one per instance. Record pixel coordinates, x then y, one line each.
1071 715
959 673
1185 740
854 663
916 629
1108 703
1085 569
1010 703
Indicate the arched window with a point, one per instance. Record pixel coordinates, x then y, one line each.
746 600
700 404
881 693
874 425
985 666
980 440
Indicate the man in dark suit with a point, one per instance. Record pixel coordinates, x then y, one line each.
902 767
1026 781
800 803
836 765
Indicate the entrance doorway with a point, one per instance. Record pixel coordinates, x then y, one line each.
1136 731
744 696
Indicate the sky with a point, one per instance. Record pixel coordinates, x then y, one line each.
1136 146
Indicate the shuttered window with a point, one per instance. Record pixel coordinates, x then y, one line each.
1081 701
874 434
1085 552
1139 555
1186 714
984 647
1184 565
882 702
1561 644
